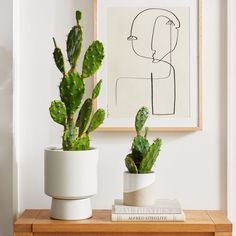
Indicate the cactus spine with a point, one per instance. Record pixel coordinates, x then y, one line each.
72 89
143 156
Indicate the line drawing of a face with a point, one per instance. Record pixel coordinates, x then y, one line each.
161 20
154 34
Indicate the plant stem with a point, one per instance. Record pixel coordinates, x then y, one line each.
70 119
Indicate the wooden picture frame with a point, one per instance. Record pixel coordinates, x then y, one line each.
129 126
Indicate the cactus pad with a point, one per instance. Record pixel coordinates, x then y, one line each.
73 44
71 92
58 112
92 59
140 119
58 58
139 148
150 157
146 132
84 115
78 16
97 89
69 136
81 143
97 120
130 164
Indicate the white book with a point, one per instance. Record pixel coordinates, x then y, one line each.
148 217
162 206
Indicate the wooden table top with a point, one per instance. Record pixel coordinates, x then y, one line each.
196 221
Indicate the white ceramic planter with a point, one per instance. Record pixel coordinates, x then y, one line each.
138 189
70 178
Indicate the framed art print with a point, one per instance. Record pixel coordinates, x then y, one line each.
152 59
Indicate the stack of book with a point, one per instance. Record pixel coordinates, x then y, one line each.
163 210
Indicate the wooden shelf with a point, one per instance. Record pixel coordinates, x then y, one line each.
198 223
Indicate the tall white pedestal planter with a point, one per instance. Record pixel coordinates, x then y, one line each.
138 189
71 180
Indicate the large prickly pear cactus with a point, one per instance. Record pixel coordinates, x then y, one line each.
143 156
72 89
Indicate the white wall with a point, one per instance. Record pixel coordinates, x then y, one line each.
192 166
231 115
6 106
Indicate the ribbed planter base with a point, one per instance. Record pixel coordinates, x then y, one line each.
71 209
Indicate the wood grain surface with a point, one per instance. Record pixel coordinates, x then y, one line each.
198 223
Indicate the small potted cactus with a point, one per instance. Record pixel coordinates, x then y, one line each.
139 179
71 171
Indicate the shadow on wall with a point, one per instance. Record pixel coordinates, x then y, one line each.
222 101
6 136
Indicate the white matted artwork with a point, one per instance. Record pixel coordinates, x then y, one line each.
151 59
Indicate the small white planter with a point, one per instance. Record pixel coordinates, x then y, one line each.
138 189
70 178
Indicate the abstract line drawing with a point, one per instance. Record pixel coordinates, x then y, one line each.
163 23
